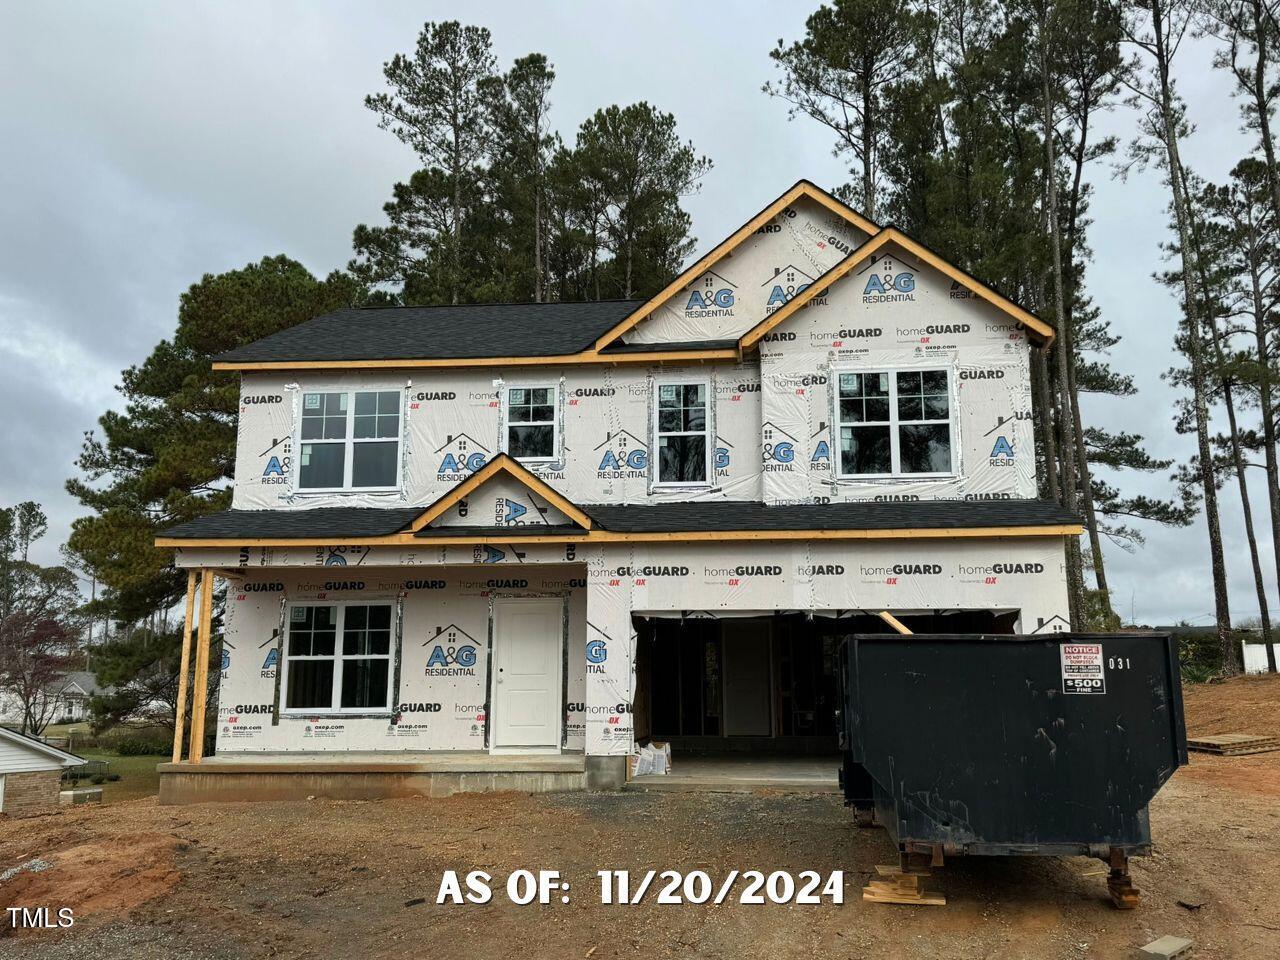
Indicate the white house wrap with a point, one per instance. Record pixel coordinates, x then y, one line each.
795 434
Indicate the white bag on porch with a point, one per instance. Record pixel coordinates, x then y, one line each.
652 758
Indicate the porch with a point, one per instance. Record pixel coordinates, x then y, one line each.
365 775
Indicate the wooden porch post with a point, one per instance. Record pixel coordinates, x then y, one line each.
184 667
201 692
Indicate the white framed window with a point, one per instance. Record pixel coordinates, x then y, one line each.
533 427
682 432
894 423
349 440
337 658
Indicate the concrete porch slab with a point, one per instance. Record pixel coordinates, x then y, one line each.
365 776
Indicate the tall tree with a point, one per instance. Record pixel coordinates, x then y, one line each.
1221 287
1090 68
1157 28
837 75
640 168
1050 34
436 106
1241 226
169 455
522 146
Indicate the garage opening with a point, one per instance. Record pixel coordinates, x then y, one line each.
747 701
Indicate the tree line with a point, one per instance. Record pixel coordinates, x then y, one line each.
974 126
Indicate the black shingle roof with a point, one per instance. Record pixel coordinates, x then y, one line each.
854 515
335 522
444 333
622 347
718 515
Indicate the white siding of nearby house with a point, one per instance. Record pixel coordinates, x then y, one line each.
18 758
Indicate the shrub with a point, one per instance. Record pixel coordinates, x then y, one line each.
137 741
140 747
113 777
97 779
1199 656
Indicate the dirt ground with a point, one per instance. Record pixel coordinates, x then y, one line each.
359 879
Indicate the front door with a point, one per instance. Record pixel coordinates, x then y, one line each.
526 701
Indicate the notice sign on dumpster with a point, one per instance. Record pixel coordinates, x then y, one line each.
1082 668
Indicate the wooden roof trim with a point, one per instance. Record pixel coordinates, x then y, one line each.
505 464
802 188
610 536
869 249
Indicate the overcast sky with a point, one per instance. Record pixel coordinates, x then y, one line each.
143 145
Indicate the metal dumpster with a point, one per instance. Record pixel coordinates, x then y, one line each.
1031 744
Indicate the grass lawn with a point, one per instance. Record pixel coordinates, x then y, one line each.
138 777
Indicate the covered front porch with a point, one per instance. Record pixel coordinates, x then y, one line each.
376 678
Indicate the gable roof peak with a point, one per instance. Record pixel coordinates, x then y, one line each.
506 465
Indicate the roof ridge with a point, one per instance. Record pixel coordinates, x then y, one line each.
488 303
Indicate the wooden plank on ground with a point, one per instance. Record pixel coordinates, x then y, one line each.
1233 744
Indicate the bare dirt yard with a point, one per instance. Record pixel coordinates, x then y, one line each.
334 879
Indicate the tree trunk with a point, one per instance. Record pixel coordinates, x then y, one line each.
1237 456
1047 436
1192 305
1068 330
1237 459
1066 422
1260 32
1268 429
537 243
868 153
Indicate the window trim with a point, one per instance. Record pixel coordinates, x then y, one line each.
349 441
895 462
392 655
707 431
505 445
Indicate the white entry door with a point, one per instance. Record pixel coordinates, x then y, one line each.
526 699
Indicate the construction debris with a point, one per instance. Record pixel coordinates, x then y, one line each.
1167 948
1233 744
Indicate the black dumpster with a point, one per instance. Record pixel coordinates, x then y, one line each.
984 744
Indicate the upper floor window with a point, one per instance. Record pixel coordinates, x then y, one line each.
350 441
338 658
532 429
894 423
683 426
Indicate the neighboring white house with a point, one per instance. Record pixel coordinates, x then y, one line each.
67 699
30 772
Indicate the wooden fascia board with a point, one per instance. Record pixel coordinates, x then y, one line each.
502 464
887 236
610 536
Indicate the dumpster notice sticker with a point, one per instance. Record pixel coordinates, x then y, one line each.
1082 668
